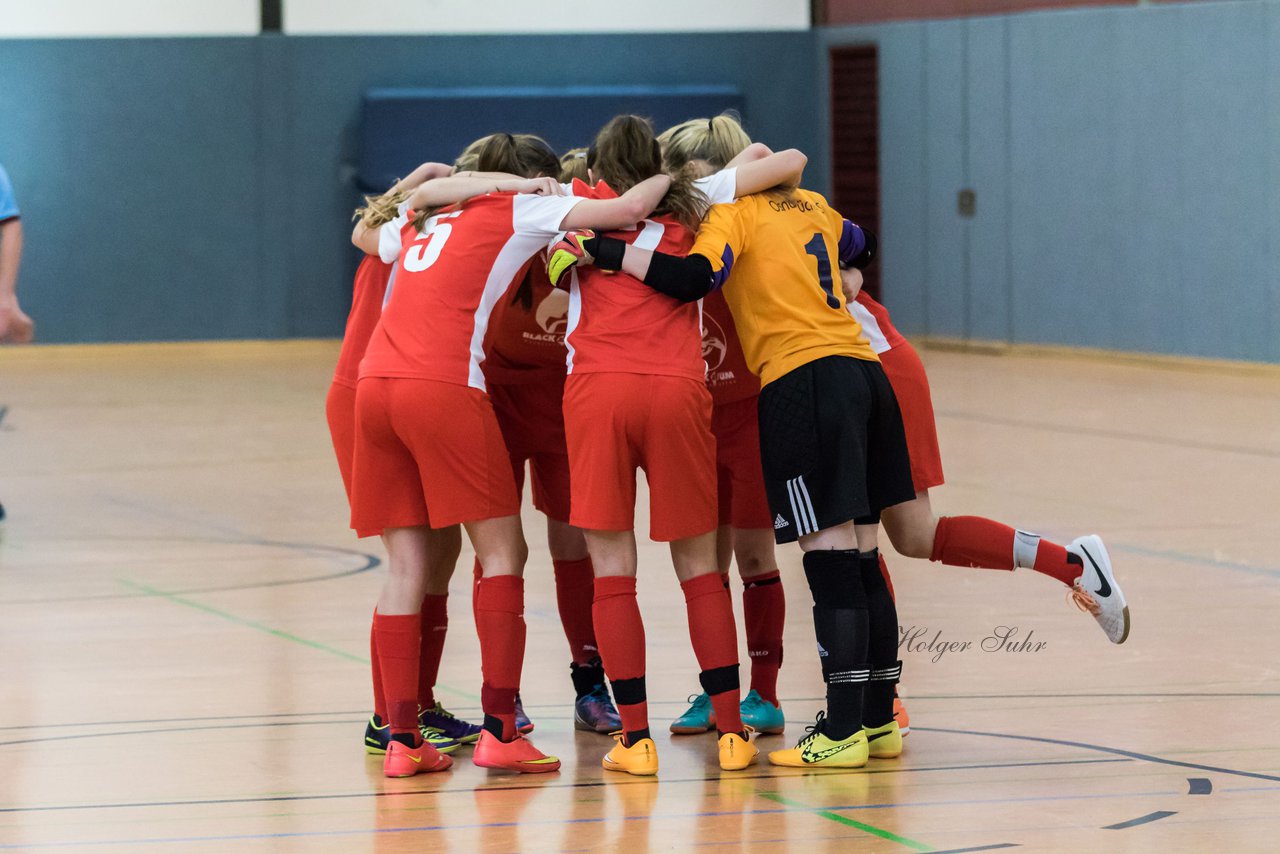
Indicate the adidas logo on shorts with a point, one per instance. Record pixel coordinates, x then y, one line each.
779 522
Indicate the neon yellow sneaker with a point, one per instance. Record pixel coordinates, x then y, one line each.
815 750
639 759
737 752
884 742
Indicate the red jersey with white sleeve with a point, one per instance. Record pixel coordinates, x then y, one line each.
526 330
874 318
728 376
448 280
367 293
618 324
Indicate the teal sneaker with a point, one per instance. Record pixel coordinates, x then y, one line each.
761 715
700 717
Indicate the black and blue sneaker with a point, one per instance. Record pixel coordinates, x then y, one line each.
377 735
593 710
440 722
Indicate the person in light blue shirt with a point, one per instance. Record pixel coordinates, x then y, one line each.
15 326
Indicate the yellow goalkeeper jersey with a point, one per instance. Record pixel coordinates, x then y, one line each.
776 257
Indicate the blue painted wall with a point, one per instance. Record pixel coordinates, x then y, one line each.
201 188
1127 169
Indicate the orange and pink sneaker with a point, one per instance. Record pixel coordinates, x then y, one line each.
519 754
405 761
900 714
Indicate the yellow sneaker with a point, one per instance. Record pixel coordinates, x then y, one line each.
884 742
639 759
815 750
737 752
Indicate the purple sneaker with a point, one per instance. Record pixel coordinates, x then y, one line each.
524 726
595 712
438 719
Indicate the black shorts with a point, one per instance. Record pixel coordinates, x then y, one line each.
833 446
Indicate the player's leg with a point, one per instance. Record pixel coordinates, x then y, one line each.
599 412
764 614
679 456
700 716
574 578
819 425
593 709
622 647
975 541
387 498
763 602
467 479
439 726
715 644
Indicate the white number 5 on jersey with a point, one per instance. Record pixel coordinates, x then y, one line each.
424 252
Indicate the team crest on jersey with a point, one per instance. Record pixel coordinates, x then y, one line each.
714 347
553 313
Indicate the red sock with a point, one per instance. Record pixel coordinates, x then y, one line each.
476 574
715 643
435 624
764 610
621 640
976 542
500 624
888 581
575 591
398 640
379 698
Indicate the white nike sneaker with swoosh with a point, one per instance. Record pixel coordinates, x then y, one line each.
1096 590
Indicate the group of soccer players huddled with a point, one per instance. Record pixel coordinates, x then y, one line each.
672 303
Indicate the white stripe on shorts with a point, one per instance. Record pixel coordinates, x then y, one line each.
801 525
804 493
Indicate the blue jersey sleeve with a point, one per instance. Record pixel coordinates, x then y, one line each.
8 204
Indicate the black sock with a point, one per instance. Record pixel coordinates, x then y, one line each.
841 624
494 726
882 641
408 739
586 677
633 736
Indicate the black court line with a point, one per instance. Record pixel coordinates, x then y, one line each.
1199 786
370 562
1132 754
1142 819
178 720
583 784
1111 434
979 848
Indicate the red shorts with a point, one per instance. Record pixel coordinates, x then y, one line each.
743 502
531 416
340 411
616 423
427 453
911 386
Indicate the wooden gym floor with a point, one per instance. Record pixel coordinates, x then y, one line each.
184 621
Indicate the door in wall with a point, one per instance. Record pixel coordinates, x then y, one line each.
855 141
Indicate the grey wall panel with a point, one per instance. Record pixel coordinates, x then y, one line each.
945 149
989 296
